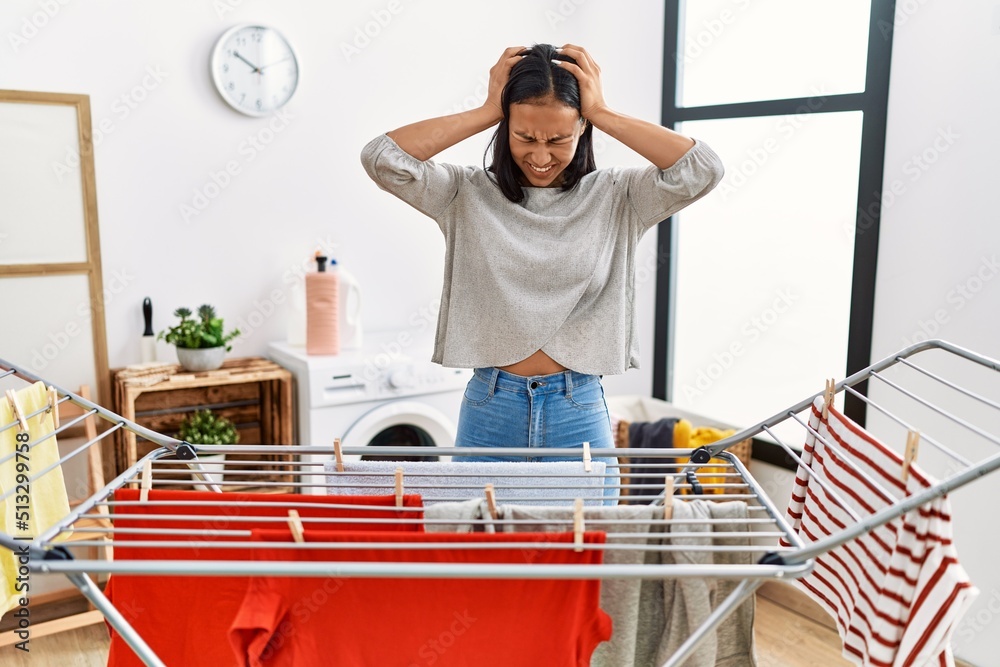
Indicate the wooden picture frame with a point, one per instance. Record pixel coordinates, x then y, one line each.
49 238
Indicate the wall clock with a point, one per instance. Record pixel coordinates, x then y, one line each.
254 69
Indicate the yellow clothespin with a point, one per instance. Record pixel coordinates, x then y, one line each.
295 525
147 480
586 458
399 487
910 453
15 405
491 501
828 393
338 455
578 525
54 405
668 498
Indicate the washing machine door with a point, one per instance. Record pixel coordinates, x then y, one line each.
400 424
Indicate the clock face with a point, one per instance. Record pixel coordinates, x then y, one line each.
254 69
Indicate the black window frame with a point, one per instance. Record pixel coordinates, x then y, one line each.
873 103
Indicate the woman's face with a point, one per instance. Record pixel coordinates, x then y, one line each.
543 139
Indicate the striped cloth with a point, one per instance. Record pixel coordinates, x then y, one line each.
898 591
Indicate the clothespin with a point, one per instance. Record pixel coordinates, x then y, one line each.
910 453
668 498
339 455
491 501
54 406
578 525
586 458
147 481
399 487
15 405
295 525
828 393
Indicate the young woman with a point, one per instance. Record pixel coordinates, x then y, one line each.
538 292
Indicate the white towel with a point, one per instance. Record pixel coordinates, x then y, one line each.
521 482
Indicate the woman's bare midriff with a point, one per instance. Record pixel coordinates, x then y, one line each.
538 363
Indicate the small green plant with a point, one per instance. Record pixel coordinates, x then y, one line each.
205 428
205 330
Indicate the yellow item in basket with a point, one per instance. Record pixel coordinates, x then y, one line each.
709 474
47 501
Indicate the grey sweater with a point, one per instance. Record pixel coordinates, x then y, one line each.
554 272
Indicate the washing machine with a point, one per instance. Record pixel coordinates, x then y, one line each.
384 394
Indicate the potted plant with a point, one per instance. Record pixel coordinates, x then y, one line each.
200 341
203 427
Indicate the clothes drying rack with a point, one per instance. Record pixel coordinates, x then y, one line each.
900 392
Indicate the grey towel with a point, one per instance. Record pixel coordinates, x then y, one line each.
463 515
548 484
652 618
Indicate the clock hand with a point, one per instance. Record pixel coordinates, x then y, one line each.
252 66
276 62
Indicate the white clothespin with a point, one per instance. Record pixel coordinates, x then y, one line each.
586 458
15 406
54 406
147 481
668 498
491 501
578 526
828 393
399 487
339 455
910 453
295 525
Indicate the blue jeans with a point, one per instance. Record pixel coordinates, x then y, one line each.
500 409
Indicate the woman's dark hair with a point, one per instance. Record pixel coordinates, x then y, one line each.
534 80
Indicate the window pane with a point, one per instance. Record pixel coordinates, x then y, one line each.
747 50
764 266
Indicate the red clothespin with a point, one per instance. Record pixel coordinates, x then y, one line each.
578 526
338 455
491 501
295 525
910 453
399 487
828 394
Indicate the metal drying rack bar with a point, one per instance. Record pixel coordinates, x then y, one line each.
176 464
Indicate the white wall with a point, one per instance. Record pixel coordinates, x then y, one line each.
938 271
305 187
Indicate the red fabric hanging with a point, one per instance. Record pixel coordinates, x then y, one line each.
185 619
364 622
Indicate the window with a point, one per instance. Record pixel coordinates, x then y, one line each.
772 278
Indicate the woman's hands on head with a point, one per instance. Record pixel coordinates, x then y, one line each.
588 76
499 74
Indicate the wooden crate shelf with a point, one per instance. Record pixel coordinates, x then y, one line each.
254 393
